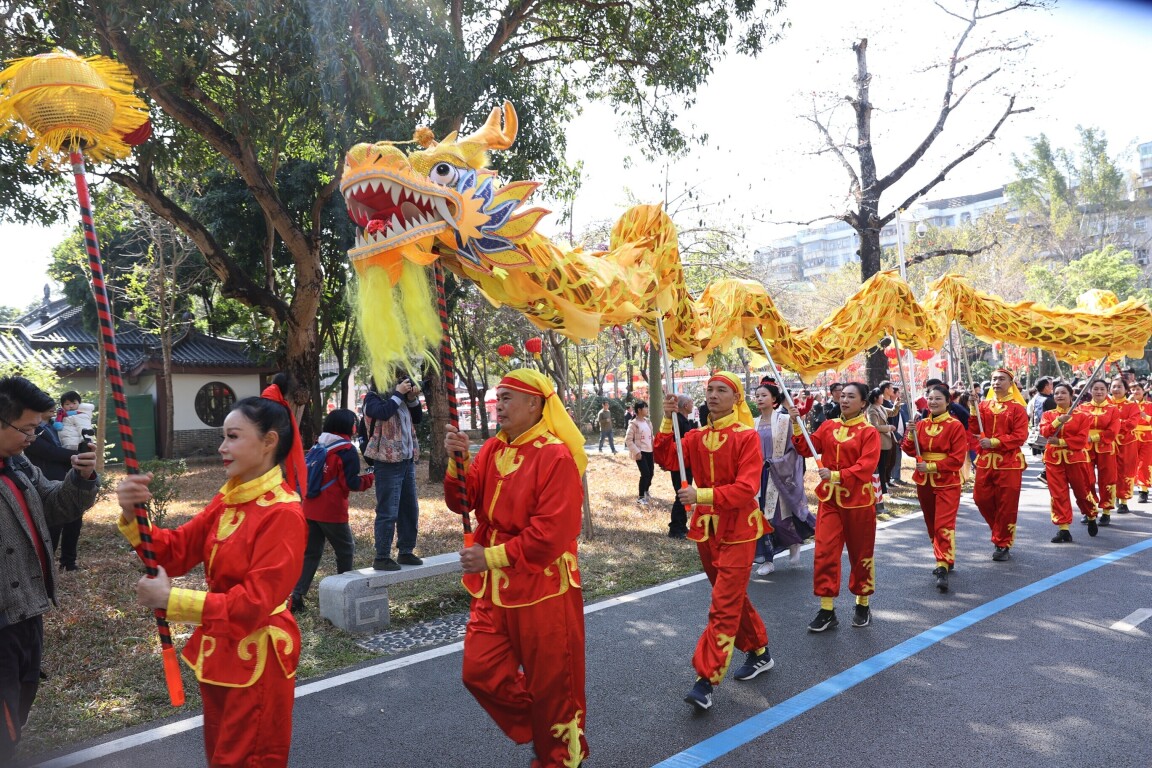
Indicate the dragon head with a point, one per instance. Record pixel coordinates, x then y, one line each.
437 201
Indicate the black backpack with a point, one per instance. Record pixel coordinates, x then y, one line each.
315 460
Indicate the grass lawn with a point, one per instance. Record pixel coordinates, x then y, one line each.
101 649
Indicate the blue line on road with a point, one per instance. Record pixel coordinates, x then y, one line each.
754 727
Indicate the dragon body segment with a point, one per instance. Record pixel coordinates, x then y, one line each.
441 202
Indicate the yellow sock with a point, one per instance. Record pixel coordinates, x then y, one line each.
862 600
760 651
827 603
941 564
1063 527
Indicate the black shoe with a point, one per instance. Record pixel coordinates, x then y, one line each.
825 619
863 616
1105 520
1093 526
1122 509
385 564
701 695
297 603
1001 554
941 574
1043 477
677 534
1063 536
951 567
754 665
407 558
1143 497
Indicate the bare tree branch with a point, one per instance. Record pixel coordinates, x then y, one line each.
928 255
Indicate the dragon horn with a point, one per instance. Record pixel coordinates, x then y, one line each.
492 135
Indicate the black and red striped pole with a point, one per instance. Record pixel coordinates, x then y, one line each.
127 443
449 366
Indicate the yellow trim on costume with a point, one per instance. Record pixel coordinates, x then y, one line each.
186 606
252 646
995 442
930 467
705 496
130 531
496 557
834 477
933 456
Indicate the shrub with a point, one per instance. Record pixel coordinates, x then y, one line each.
165 473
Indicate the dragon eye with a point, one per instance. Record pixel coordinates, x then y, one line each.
444 173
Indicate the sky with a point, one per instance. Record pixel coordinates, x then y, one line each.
759 169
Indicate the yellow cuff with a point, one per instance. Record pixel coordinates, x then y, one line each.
666 426
834 478
931 467
1093 438
705 496
995 442
130 531
186 606
797 430
1061 442
496 557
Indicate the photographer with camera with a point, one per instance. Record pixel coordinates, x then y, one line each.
392 448
54 460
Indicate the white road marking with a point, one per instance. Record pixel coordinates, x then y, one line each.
1132 620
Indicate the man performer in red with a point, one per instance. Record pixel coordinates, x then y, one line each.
1103 428
725 459
524 643
999 462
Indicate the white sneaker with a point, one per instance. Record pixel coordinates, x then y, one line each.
765 569
794 554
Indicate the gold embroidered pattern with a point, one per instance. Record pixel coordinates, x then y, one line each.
569 733
508 461
726 645
713 440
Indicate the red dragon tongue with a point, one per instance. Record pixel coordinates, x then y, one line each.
374 226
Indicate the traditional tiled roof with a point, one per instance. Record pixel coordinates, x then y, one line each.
55 336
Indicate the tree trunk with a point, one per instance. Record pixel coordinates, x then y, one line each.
436 399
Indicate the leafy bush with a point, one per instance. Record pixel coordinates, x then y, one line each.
165 474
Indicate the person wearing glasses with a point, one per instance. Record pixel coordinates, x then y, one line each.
54 460
29 504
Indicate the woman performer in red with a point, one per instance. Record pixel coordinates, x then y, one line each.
1066 460
250 539
725 459
943 443
849 448
1127 451
1143 430
1102 433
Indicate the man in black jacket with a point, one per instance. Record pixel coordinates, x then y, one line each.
29 503
54 460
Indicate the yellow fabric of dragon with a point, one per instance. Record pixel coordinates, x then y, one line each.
440 202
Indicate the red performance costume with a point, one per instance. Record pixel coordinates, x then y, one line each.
850 449
524 644
943 446
1068 465
1143 430
1127 449
1103 426
725 459
999 469
246 644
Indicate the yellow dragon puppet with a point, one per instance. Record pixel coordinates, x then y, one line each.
441 203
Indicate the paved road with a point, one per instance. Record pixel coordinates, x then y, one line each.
1022 664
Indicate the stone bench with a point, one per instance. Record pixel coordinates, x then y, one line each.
357 601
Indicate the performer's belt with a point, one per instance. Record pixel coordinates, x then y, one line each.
933 456
1143 428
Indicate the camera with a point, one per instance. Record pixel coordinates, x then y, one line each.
87 440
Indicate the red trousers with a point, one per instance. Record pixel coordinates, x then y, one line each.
732 620
997 496
525 667
1104 479
1144 465
939 506
835 529
249 727
1127 456
1076 476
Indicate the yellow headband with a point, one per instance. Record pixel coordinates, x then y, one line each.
729 379
555 417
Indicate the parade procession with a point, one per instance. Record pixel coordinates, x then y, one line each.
787 453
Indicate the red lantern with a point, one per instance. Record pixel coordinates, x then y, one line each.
534 346
942 364
924 355
609 377
505 350
890 353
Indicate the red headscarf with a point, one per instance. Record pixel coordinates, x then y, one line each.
294 470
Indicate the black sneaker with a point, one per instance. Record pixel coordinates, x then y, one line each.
1105 520
297 603
941 574
1063 536
407 558
1043 477
754 665
825 619
1001 554
1122 509
701 695
1143 497
385 564
863 616
1093 526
